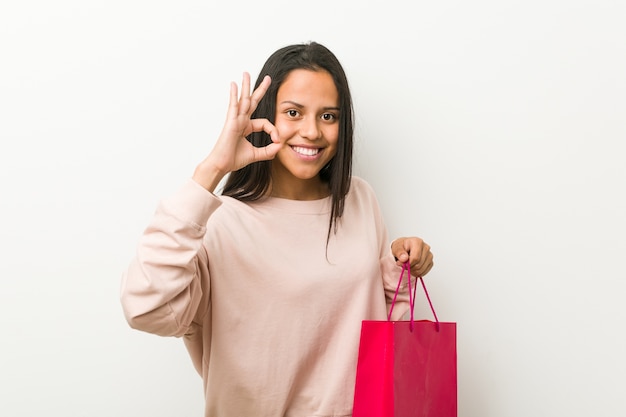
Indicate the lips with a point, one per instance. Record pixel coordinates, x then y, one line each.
306 151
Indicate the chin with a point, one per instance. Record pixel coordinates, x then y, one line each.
306 176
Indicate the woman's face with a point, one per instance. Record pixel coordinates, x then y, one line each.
307 120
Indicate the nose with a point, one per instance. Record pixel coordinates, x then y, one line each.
310 129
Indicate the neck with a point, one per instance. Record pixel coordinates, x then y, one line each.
312 189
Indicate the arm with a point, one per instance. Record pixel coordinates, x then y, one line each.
391 257
167 284
166 287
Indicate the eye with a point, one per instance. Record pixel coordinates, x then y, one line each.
292 113
329 117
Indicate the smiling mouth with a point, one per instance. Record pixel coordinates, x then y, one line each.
306 151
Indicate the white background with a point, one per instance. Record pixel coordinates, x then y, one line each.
493 129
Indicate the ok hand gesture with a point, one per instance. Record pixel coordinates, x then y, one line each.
232 150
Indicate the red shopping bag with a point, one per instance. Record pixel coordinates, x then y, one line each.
406 368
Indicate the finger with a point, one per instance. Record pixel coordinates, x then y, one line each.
418 251
411 247
425 262
420 271
402 257
398 251
259 93
264 125
267 152
245 85
233 103
244 98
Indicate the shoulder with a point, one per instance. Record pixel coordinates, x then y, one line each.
361 194
360 188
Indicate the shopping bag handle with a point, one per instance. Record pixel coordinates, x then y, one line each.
407 267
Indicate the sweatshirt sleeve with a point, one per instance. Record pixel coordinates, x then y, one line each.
391 275
166 286
390 271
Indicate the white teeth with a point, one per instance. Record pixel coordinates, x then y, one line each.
306 151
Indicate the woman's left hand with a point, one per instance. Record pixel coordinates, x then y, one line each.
414 250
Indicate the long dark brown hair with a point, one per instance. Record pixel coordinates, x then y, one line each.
253 181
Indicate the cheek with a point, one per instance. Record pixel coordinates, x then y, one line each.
332 135
333 144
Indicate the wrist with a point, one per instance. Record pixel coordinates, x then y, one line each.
208 176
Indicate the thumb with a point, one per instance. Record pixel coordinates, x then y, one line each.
399 251
402 257
268 152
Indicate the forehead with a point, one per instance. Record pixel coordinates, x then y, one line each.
308 84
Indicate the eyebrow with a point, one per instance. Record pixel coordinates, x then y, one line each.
301 106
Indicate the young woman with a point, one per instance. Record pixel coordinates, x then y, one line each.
268 283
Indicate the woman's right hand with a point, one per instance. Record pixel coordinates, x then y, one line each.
232 151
